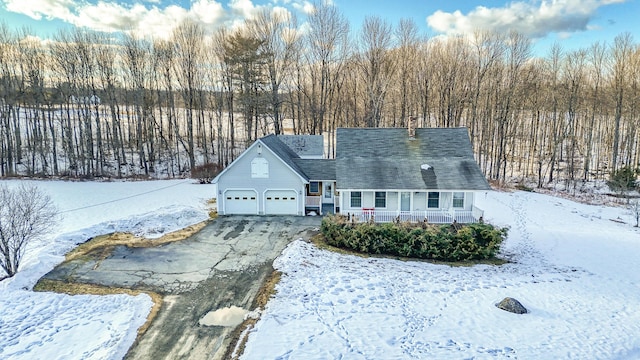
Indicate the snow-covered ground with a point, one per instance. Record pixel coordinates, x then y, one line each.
57 326
571 266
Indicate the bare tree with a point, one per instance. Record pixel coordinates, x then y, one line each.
452 60
278 41
26 215
596 57
574 71
188 42
518 52
219 45
489 48
621 51
635 211
136 58
376 66
408 44
10 146
326 50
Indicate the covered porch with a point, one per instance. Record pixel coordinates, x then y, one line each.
437 207
431 216
320 197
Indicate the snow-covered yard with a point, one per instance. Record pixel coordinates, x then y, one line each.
572 267
57 326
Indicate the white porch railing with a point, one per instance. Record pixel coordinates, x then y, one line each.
477 212
432 216
313 201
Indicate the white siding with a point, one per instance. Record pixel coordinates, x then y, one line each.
392 201
280 176
468 200
368 199
420 201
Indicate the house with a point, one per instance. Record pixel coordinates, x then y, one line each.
379 173
85 100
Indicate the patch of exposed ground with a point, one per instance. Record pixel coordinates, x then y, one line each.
130 240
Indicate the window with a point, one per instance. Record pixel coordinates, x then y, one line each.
356 199
433 200
314 187
458 199
381 199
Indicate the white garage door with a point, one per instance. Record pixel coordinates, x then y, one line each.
281 202
240 202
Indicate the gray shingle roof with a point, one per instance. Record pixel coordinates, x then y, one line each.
283 152
318 169
387 158
305 145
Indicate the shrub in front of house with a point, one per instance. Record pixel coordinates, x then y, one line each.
424 241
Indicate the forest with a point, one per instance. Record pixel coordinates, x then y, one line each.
86 104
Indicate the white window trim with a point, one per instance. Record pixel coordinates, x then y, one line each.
385 200
317 192
351 201
437 192
453 200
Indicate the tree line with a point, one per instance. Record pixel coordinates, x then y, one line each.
88 104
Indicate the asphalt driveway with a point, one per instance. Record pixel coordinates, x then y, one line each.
222 266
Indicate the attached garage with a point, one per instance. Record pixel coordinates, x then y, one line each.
281 202
263 180
241 202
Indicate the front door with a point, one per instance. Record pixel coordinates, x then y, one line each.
327 192
405 201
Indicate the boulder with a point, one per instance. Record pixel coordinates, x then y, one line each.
511 305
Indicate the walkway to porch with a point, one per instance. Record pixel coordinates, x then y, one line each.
327 209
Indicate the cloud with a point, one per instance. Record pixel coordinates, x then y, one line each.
535 18
39 9
145 17
305 7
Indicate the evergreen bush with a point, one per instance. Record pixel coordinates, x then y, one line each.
623 179
478 241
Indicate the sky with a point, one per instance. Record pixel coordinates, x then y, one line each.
571 23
